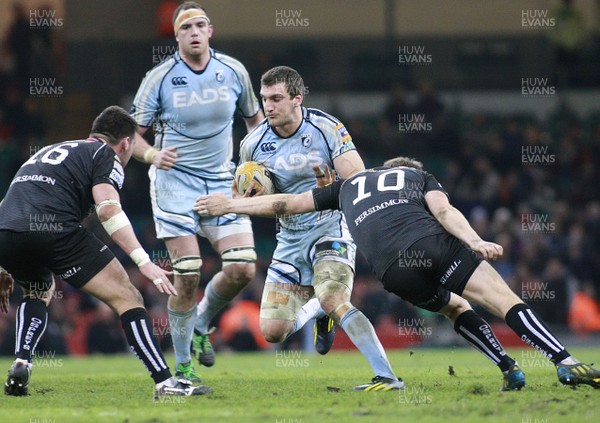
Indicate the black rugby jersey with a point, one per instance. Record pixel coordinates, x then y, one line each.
52 191
385 209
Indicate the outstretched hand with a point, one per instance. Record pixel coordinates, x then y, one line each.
324 176
159 278
6 289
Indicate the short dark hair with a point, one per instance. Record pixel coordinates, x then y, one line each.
186 5
290 77
403 161
114 123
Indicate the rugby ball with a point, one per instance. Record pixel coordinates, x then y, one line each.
253 171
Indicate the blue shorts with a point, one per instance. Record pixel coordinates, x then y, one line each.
298 251
173 194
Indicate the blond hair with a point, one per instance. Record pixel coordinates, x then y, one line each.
404 161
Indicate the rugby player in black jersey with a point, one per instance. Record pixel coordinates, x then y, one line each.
400 211
41 235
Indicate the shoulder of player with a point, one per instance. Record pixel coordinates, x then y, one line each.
234 64
255 135
160 71
163 67
327 124
321 119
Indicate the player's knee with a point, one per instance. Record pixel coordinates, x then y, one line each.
455 307
127 298
239 261
275 331
333 284
188 267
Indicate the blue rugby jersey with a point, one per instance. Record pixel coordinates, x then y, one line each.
193 110
319 139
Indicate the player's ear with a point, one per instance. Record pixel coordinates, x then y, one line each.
125 143
210 31
298 100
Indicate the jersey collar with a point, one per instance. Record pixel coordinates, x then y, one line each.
200 72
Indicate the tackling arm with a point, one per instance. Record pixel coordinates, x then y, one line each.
455 222
264 205
117 225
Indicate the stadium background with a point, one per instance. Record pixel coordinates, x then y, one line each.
494 97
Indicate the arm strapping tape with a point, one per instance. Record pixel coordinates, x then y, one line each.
106 203
149 155
139 257
115 223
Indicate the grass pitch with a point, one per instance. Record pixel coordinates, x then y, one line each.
296 387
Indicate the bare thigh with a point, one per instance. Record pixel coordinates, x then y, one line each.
487 288
113 287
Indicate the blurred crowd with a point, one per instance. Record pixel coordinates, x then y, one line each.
525 183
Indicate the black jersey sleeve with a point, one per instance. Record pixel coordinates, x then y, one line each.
432 184
107 168
327 198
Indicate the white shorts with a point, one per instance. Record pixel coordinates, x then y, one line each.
298 251
173 194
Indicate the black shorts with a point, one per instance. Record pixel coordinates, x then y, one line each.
31 257
430 269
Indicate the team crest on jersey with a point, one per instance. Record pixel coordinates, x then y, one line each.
306 140
220 75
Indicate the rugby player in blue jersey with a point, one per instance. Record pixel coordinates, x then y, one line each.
190 100
315 253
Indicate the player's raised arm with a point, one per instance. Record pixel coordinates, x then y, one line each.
163 159
455 222
117 225
266 205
